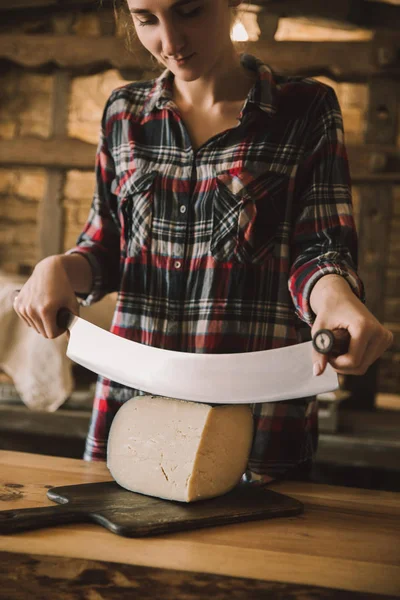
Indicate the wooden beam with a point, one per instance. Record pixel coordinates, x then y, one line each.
71 52
350 61
18 5
50 217
374 163
341 13
346 14
64 153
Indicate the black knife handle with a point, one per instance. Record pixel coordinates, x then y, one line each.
333 342
64 318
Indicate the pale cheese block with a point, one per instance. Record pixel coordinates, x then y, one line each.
179 450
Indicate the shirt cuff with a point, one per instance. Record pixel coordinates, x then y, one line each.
304 279
96 293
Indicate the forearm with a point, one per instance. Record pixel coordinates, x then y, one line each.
78 270
329 289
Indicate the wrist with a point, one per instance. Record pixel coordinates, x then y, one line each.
49 262
328 290
74 267
78 271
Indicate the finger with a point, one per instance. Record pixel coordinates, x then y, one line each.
36 322
355 357
319 362
377 346
29 322
51 326
349 369
73 307
25 320
21 312
49 317
388 339
374 350
378 343
13 297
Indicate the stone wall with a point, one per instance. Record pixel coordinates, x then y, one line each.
21 191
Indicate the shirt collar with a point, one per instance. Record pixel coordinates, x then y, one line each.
261 95
161 93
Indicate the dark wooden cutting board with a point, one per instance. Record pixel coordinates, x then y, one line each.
136 515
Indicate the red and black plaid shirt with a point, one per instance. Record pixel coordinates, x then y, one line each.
217 250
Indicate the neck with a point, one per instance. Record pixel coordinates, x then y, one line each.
226 81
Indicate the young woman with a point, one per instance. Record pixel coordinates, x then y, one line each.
222 216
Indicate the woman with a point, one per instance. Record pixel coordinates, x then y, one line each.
222 216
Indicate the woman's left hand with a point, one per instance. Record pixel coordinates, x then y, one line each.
337 307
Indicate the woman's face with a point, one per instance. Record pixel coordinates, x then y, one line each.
187 36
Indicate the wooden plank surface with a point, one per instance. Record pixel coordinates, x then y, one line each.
39 576
346 538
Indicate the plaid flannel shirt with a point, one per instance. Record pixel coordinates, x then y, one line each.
216 250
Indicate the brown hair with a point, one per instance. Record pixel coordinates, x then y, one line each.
124 23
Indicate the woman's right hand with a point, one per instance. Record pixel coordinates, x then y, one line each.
47 290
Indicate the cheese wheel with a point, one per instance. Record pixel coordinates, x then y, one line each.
179 450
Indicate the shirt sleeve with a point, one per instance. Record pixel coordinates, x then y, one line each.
324 235
99 241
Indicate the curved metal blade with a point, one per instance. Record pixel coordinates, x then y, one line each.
264 376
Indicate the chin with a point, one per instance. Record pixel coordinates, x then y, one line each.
189 73
190 76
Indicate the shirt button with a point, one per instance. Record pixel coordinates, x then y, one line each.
177 264
183 209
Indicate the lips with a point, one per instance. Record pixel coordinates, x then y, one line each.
184 58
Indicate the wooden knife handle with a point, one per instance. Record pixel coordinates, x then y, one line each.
64 318
333 342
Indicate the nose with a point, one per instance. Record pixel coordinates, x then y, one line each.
172 39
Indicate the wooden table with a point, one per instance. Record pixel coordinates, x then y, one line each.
347 539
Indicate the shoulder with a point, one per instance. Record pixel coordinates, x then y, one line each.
129 99
304 97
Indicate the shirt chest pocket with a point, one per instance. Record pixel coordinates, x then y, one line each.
135 194
248 213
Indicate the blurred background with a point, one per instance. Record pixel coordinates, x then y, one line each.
59 61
